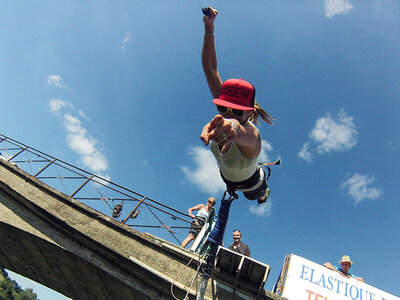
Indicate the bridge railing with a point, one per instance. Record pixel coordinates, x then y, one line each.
123 204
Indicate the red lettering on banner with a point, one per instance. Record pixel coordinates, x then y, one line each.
317 296
309 294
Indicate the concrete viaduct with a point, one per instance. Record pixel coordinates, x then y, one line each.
63 244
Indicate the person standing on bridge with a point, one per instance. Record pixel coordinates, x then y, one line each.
199 220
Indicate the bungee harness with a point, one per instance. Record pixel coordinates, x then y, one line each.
252 181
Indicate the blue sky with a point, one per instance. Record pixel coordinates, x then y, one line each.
118 89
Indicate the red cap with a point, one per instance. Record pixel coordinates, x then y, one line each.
236 94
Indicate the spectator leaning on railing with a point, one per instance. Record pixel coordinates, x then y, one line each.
345 265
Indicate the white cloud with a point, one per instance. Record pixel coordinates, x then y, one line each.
100 181
265 147
205 173
393 145
83 115
304 153
125 41
357 188
334 135
96 161
57 104
79 141
55 80
330 135
336 7
263 210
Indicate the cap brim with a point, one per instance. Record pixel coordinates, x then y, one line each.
231 105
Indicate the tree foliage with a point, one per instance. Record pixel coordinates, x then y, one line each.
10 290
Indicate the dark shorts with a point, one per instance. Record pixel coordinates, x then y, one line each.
197 225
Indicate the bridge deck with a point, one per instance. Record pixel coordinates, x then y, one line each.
83 254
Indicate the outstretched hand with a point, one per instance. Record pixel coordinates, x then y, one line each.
220 130
209 20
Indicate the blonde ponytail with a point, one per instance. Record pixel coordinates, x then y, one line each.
258 111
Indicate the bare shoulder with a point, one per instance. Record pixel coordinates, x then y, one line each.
198 206
251 128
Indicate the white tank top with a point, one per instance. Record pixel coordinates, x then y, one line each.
202 213
233 165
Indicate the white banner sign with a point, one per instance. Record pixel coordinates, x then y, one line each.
306 280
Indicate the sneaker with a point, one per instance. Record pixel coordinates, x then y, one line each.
264 198
117 210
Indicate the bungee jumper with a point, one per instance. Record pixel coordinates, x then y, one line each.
233 138
232 135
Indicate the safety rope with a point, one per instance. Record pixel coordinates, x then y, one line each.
199 259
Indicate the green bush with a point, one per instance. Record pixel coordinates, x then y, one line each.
10 290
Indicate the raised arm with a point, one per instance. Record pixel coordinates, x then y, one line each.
209 54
